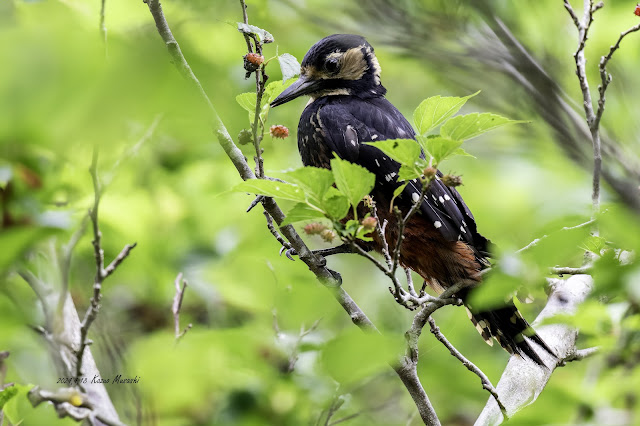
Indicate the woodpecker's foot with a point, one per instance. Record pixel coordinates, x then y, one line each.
336 276
288 251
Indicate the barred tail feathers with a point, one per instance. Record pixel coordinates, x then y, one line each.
507 326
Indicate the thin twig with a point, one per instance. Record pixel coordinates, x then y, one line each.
255 202
177 305
103 27
293 356
101 273
576 20
571 271
486 383
402 223
410 287
420 319
605 79
579 355
381 230
3 368
245 19
566 228
69 402
583 30
261 81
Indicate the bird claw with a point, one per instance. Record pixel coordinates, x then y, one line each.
336 276
289 252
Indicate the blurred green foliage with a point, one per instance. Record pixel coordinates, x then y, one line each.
62 92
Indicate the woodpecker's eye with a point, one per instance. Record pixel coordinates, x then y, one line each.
331 65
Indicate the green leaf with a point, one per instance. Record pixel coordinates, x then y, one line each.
352 180
289 66
435 110
594 244
271 188
352 225
399 190
404 151
248 102
18 407
462 152
440 147
469 126
314 181
263 35
6 394
300 212
493 294
408 173
335 204
273 89
364 235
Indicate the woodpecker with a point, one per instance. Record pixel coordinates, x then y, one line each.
341 75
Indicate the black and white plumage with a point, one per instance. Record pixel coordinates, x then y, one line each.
356 120
341 74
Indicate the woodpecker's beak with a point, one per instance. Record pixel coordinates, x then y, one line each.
302 86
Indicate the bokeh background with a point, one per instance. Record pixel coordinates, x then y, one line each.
64 91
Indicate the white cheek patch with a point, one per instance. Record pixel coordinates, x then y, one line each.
376 65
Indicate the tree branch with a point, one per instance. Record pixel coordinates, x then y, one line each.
103 27
566 228
522 381
486 383
101 273
579 355
593 123
177 305
69 402
570 271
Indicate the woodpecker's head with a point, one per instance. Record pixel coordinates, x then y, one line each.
341 64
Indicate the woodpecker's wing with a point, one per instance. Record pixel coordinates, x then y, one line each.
354 121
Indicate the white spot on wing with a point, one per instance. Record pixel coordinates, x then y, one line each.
415 197
437 224
377 164
446 197
462 229
353 142
441 199
374 137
